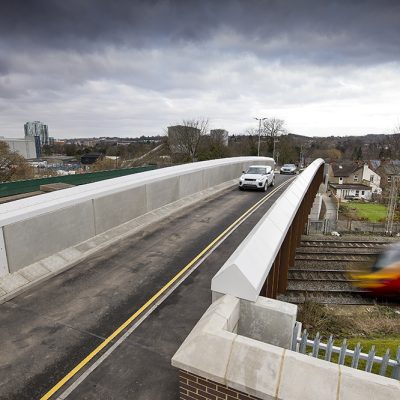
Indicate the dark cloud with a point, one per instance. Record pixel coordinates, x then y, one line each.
82 65
329 31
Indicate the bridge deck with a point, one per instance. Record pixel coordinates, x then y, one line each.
47 331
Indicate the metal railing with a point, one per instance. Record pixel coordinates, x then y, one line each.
301 343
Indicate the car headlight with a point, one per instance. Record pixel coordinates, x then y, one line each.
260 179
241 179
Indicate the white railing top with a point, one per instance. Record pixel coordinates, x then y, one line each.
32 206
246 270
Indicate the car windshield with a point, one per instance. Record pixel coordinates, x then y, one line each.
387 258
256 170
289 166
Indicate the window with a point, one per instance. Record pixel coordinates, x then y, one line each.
362 192
357 193
340 181
389 178
371 178
355 178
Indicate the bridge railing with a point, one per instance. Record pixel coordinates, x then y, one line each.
259 266
41 226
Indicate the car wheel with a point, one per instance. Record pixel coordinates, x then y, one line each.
273 182
265 188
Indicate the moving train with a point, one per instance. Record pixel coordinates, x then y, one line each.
383 279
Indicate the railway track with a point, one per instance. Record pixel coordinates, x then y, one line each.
322 267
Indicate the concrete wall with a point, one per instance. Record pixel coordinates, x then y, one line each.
25 147
216 351
40 226
245 271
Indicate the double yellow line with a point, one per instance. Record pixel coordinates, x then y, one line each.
156 296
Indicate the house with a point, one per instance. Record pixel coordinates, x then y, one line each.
353 181
90 158
387 170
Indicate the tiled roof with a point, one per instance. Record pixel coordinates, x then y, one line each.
392 169
344 169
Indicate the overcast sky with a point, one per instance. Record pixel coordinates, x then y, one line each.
126 68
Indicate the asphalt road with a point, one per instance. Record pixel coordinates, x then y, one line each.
47 331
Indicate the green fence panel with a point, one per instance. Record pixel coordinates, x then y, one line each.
33 185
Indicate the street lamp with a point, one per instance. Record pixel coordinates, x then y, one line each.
259 133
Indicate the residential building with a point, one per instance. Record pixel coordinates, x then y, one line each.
90 158
387 170
353 180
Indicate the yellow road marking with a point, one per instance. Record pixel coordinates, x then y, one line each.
106 341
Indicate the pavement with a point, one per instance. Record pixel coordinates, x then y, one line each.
331 209
49 329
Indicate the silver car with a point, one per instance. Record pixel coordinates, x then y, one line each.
257 177
290 169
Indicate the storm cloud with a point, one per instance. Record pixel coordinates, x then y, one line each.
126 68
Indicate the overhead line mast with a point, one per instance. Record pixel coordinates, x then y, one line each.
392 204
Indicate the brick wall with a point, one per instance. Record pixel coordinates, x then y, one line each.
194 387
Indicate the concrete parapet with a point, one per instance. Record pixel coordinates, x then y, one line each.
268 320
219 359
245 272
38 227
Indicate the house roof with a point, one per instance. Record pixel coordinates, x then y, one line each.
374 164
391 168
344 169
351 186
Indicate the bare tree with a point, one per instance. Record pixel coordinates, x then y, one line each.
12 165
273 127
185 139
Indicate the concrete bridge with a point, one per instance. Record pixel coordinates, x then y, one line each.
145 250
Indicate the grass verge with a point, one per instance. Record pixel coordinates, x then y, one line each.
364 211
376 325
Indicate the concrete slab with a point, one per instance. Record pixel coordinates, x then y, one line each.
268 320
34 272
12 282
191 183
52 232
163 192
305 377
51 187
358 385
54 263
119 208
70 254
254 368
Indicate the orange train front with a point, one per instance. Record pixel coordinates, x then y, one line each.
383 279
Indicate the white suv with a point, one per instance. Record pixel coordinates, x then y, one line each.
257 177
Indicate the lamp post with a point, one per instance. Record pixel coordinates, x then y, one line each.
259 133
